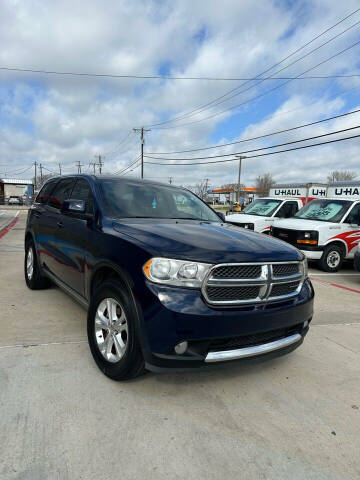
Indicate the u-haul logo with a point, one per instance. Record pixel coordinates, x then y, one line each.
317 192
346 192
288 192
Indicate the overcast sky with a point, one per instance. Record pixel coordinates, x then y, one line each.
52 119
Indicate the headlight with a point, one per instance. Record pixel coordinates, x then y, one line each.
304 267
307 238
176 272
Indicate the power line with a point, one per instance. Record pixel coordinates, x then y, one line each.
267 91
122 142
203 107
255 150
119 172
252 138
167 77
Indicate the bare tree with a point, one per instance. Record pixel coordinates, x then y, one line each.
264 183
341 176
200 189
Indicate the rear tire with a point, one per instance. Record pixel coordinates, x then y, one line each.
332 258
112 332
33 277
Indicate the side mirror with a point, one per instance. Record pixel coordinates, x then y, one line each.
75 209
221 215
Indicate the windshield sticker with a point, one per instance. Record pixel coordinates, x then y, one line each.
261 207
322 212
154 203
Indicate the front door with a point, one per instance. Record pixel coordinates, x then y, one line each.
74 237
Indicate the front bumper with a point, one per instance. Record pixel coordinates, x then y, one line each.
251 332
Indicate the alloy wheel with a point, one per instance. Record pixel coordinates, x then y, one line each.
30 263
111 330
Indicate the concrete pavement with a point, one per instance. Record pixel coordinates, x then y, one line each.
297 417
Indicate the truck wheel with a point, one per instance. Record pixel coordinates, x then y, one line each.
111 328
33 278
332 258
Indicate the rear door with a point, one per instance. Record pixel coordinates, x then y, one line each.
74 238
38 221
55 250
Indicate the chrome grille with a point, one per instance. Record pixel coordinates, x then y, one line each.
238 271
239 283
284 289
232 293
285 269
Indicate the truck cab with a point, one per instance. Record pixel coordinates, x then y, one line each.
262 213
326 230
283 202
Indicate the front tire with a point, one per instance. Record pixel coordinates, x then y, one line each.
33 277
112 332
332 258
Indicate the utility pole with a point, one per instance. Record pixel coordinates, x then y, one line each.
240 157
79 165
100 163
35 165
93 164
60 168
142 130
41 175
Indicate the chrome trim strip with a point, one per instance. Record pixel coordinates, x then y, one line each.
265 282
252 351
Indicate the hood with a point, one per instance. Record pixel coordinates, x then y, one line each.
302 224
204 242
245 218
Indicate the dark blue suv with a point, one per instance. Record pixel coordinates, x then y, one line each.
167 283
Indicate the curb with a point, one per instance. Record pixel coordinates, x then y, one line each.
8 226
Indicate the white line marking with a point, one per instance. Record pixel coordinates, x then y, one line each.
332 274
26 345
333 324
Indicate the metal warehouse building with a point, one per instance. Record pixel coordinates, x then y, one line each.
15 187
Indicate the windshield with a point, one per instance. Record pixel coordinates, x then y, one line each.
262 206
324 210
141 200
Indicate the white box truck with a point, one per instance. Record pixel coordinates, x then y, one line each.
283 202
327 229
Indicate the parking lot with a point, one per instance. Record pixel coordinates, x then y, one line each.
296 417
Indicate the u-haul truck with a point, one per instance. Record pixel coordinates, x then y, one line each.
283 202
326 229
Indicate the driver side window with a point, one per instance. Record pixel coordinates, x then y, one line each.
287 210
354 215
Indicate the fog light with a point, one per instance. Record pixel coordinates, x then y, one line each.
181 348
306 323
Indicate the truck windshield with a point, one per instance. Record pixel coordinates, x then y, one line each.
324 210
264 207
129 199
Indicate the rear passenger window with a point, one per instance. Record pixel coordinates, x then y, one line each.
62 192
45 192
82 191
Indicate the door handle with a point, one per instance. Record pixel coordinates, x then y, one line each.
37 214
60 224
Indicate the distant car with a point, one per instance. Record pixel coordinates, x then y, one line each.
357 258
14 200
